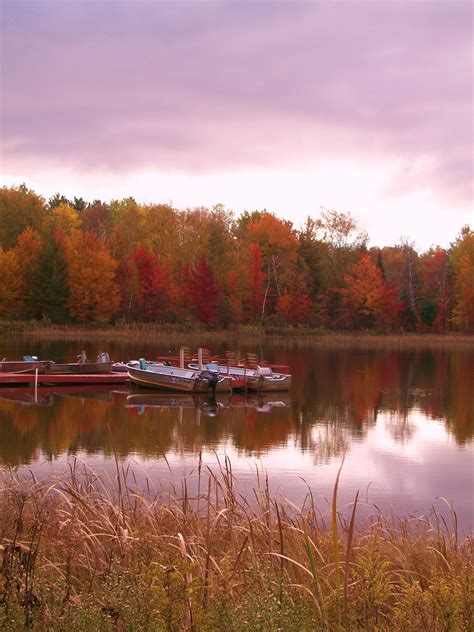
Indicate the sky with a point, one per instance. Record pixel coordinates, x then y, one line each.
362 107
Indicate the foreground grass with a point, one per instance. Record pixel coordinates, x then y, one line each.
79 557
189 334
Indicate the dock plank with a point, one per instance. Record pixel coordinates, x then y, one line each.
66 378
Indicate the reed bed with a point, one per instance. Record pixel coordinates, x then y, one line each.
79 555
192 334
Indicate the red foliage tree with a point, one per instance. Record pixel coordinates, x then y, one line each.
294 308
367 301
151 284
203 292
257 279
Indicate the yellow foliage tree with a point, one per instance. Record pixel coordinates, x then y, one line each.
65 219
94 293
462 261
10 286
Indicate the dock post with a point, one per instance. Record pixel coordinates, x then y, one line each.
36 386
181 357
200 358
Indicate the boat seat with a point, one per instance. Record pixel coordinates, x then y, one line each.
206 356
187 355
252 360
230 358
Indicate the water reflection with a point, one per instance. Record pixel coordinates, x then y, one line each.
404 419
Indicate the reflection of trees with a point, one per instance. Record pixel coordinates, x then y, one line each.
328 441
352 386
336 398
401 428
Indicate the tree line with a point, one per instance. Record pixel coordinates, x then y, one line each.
70 261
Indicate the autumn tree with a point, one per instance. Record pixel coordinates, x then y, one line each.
367 301
20 208
28 250
344 239
97 219
278 246
294 308
129 227
313 257
256 279
10 286
94 294
161 237
150 303
129 288
462 262
65 219
435 281
203 292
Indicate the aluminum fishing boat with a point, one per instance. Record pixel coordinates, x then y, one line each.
174 378
260 379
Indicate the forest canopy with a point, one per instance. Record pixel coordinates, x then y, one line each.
72 261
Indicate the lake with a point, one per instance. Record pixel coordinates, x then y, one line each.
403 419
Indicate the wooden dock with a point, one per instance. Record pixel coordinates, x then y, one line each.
63 378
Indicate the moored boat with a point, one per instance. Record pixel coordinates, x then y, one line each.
259 379
264 379
23 366
80 368
174 378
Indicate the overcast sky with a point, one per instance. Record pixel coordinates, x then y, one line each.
365 107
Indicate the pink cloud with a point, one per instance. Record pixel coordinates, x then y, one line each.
225 86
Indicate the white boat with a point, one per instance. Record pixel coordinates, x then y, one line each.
262 378
174 378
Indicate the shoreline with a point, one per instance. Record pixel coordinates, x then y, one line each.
169 334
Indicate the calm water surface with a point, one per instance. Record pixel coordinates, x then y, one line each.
404 419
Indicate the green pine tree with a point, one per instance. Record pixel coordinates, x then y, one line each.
50 292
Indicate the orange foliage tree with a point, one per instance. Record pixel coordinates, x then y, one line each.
294 308
28 251
94 294
10 286
367 301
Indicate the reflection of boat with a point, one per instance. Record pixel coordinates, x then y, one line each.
263 378
174 378
261 402
26 396
167 400
44 395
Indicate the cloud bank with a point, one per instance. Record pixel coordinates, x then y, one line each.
115 87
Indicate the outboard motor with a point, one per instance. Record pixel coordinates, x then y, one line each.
210 375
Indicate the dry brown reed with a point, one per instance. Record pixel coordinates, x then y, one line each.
185 335
79 554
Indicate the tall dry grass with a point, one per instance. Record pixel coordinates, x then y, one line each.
80 555
176 335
